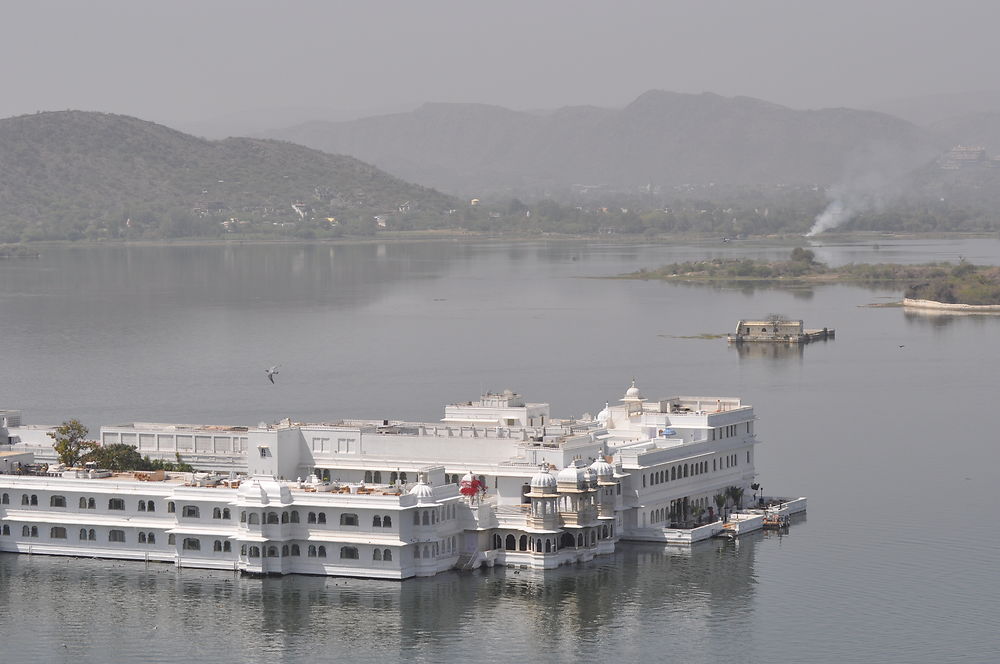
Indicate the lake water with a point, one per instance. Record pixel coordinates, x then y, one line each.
888 430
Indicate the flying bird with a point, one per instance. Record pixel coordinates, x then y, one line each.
272 372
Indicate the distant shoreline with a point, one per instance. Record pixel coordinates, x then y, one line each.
957 307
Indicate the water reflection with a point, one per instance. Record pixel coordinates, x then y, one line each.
769 351
617 602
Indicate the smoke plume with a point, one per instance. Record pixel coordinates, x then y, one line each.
875 177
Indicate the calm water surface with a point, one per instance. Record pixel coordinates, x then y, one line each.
896 447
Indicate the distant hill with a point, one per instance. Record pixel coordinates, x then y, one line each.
81 174
927 110
661 138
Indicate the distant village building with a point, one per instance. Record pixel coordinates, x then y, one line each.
965 156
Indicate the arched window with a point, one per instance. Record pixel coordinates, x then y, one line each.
321 517
295 516
92 535
217 546
376 521
83 502
393 476
57 532
311 518
685 470
5 499
548 546
387 521
25 531
57 501
151 538
91 504
272 552
253 519
284 517
116 535
254 552
348 519
24 499
402 477
427 517
225 513
579 539
322 551
243 517
5 530
171 507
142 537
243 550
522 543
284 550
387 554
312 551
272 518
377 477
497 541
83 533
171 540
150 506
142 506
295 550
34 499
377 554
191 544
368 477
191 512
216 513
227 546
34 531
673 472
510 543
116 503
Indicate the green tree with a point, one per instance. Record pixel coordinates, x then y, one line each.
720 503
71 442
117 457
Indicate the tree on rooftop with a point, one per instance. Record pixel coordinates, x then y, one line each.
71 442
117 457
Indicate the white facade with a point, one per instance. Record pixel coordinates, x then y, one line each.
547 492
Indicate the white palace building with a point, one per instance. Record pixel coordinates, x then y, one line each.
495 482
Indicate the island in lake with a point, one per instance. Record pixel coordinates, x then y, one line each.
931 283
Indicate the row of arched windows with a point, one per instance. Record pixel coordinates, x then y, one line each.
551 545
677 472
85 502
432 516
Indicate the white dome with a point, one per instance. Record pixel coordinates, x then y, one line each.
632 393
422 491
604 415
602 468
569 475
543 480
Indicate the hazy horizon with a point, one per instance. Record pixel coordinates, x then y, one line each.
186 63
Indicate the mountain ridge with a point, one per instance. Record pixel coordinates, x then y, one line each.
81 170
662 137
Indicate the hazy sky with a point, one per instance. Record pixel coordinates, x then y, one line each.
180 61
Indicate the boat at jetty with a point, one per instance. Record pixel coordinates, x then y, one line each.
778 331
496 481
